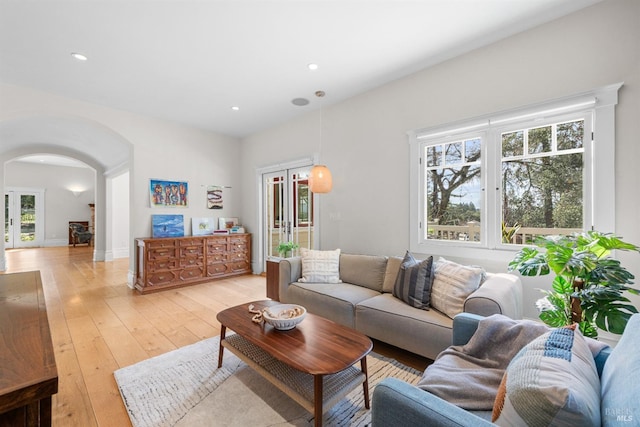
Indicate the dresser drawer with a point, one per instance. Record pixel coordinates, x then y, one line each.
192 242
238 256
216 257
191 251
162 265
238 245
161 254
161 278
217 269
216 245
191 261
155 244
238 267
192 273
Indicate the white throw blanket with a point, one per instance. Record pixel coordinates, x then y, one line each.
469 376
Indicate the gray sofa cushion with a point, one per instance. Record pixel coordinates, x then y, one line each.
363 270
388 319
335 301
390 275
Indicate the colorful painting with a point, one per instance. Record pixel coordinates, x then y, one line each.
168 193
167 226
202 226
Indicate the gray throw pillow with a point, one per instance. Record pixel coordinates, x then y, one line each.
413 283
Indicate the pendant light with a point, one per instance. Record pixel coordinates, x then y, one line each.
320 179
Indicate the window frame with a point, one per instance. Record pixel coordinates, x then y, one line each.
597 105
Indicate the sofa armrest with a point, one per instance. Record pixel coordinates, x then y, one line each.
464 326
397 403
290 271
501 293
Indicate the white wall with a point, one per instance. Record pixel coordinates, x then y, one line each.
61 206
364 140
119 191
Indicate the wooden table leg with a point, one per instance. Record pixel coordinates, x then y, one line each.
317 400
223 331
365 384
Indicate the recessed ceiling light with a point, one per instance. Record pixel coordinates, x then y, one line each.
79 56
300 102
235 108
312 66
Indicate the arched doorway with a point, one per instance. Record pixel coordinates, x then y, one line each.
103 150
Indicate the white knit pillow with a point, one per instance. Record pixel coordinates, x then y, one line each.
452 284
320 266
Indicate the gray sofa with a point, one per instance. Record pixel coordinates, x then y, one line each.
395 402
364 301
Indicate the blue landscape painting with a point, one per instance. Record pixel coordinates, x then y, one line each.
167 225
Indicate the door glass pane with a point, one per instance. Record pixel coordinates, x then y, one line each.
303 209
27 217
275 213
6 218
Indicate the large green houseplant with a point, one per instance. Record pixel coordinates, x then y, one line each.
589 285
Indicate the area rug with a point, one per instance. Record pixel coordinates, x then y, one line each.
185 388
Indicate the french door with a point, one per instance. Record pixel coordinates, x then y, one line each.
23 218
288 210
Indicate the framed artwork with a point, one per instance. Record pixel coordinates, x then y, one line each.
227 223
202 226
214 197
163 193
167 226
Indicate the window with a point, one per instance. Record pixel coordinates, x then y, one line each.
542 181
453 190
503 179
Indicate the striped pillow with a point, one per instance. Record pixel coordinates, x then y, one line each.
413 283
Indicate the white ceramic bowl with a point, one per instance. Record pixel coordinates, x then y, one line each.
277 316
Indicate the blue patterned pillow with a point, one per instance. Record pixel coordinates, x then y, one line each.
413 283
552 381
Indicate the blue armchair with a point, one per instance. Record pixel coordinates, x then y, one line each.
80 234
395 402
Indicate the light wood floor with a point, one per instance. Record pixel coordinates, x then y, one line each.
98 325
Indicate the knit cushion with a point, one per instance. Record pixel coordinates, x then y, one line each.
552 381
452 284
413 283
320 266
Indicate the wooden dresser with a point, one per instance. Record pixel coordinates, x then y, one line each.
180 261
28 373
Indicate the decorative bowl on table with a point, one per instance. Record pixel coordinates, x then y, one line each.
284 317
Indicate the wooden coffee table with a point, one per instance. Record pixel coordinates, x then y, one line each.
312 363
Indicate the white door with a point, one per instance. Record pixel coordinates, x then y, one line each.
24 218
288 210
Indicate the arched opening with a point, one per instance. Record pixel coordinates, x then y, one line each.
105 152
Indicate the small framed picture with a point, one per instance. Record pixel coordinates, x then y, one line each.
202 226
167 226
227 223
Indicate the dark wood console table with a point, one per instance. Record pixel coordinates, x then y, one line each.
28 373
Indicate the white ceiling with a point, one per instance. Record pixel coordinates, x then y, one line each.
191 61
